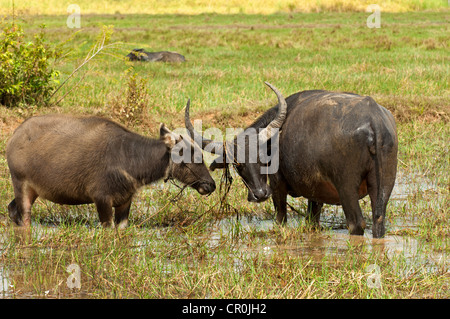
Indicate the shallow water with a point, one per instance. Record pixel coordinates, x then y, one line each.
408 184
332 245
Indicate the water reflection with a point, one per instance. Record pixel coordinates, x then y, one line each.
332 246
407 184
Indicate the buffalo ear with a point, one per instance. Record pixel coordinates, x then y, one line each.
215 164
169 138
163 130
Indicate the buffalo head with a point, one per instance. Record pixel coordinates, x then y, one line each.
186 164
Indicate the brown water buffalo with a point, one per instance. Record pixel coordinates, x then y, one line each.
161 56
333 148
81 160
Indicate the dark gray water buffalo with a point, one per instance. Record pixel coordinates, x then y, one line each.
334 148
162 56
81 160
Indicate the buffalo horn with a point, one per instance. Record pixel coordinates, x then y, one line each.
276 123
216 147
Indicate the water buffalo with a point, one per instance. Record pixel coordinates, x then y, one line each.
334 148
81 160
162 56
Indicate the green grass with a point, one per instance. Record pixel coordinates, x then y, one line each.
403 65
188 248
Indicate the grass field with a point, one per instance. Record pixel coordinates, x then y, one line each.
189 248
54 7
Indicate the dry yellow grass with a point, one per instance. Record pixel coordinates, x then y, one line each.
58 7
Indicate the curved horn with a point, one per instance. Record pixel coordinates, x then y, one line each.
216 147
276 123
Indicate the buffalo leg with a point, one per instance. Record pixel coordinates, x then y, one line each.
353 213
14 213
20 207
314 210
279 198
279 201
121 215
378 205
378 216
105 213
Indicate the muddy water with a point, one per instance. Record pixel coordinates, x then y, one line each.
332 246
322 244
406 255
408 184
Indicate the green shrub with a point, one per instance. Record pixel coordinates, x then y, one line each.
26 72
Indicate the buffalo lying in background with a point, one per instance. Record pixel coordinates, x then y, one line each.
334 148
81 160
162 56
